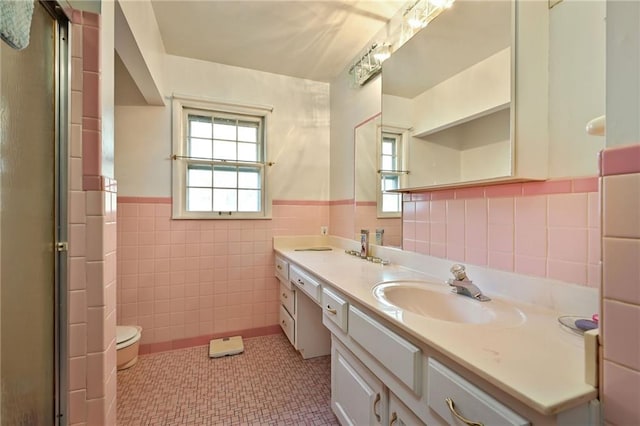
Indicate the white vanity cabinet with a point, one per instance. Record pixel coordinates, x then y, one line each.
384 374
358 397
415 386
300 316
400 415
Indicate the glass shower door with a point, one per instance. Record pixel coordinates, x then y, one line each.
28 226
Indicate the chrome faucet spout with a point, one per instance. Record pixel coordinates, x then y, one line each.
463 285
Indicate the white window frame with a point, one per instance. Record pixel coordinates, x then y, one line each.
400 136
181 106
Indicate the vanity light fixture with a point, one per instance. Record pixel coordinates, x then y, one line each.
416 16
369 65
382 52
420 13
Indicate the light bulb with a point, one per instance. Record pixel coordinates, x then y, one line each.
445 4
382 53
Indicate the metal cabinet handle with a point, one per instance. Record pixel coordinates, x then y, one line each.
279 267
331 310
463 419
375 407
300 281
393 419
285 295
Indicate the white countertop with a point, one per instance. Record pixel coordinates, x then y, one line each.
538 362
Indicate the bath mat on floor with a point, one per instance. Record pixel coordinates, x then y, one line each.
226 346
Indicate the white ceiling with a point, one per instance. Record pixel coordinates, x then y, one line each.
301 38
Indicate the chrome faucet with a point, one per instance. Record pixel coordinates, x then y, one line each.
463 285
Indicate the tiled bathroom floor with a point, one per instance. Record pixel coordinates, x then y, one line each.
269 384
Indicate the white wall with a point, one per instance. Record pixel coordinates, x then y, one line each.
350 106
139 44
298 134
623 73
576 85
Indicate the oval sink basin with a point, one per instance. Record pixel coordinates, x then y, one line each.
426 299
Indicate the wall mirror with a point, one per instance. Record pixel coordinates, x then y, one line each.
378 168
453 88
450 86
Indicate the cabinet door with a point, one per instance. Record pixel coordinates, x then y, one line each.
400 415
357 396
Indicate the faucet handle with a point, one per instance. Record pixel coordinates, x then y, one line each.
458 272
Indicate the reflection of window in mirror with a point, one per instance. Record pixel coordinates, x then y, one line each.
390 203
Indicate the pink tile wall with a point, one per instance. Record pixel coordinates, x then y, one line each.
77 296
620 335
547 229
366 217
341 218
92 241
187 280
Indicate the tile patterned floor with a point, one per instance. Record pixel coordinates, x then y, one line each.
269 384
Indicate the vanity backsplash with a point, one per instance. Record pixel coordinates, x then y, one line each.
545 229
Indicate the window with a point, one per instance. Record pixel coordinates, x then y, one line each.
219 163
390 203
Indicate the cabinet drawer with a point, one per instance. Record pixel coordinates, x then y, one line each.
399 356
288 324
305 283
282 269
468 400
335 308
287 298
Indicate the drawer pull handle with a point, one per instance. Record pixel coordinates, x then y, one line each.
285 295
331 310
300 281
375 407
393 419
279 267
464 420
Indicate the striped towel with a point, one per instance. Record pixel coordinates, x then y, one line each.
15 22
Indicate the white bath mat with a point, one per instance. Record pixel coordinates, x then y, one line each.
225 346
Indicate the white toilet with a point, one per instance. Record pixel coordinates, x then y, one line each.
127 343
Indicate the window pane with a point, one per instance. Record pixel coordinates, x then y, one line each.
200 127
199 176
388 163
249 200
247 152
200 148
198 199
225 177
390 203
225 200
249 178
389 183
224 129
388 147
224 150
247 132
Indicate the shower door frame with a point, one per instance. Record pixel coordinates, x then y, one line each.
62 58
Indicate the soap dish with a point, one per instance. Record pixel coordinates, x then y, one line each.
577 324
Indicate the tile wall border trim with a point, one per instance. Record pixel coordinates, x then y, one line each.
554 186
619 160
145 200
149 348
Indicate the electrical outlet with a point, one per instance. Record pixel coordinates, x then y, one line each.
324 230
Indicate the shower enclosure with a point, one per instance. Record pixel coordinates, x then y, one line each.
33 149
